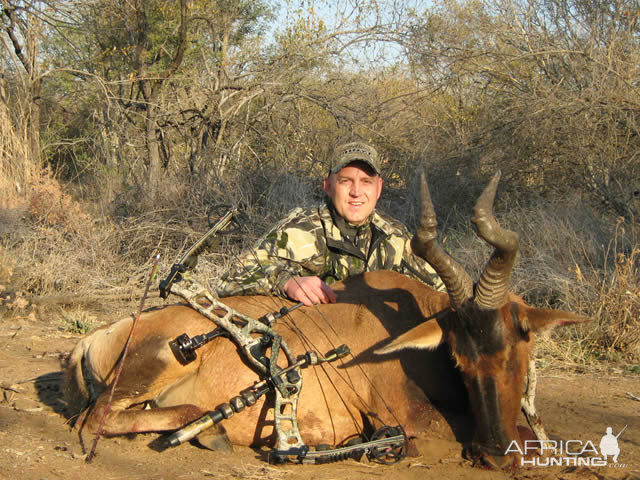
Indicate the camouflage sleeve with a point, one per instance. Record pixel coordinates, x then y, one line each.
292 248
406 262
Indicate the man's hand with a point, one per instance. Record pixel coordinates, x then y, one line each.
309 290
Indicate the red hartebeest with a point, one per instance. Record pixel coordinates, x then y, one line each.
472 352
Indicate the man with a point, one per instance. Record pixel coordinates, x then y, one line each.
313 247
609 444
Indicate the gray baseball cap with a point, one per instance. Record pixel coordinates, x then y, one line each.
354 152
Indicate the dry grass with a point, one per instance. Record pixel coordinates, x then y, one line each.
15 166
609 294
61 257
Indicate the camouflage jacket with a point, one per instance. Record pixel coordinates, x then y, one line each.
317 241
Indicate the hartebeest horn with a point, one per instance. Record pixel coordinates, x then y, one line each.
425 245
491 291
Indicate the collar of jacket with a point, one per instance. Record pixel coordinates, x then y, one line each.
336 235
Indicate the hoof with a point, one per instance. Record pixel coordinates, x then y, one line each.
215 439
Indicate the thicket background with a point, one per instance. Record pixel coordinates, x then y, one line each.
126 125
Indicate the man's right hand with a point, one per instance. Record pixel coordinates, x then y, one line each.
309 290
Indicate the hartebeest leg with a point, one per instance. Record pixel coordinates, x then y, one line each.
121 420
528 403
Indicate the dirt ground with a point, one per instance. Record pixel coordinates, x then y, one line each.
37 443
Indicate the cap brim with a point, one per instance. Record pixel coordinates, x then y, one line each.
355 158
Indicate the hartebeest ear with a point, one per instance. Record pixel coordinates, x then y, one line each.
426 336
536 319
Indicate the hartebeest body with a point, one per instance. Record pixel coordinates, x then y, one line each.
474 344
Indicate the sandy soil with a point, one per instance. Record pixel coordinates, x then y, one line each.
37 443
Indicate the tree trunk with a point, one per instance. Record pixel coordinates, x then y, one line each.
33 121
154 165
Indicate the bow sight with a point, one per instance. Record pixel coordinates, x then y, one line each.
184 347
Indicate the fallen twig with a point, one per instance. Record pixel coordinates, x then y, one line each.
12 387
419 464
16 332
27 380
633 397
28 410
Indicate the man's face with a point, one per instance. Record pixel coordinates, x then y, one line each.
354 191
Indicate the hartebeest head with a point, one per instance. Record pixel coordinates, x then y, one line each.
489 330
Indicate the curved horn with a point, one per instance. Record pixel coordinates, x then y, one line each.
492 288
424 244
